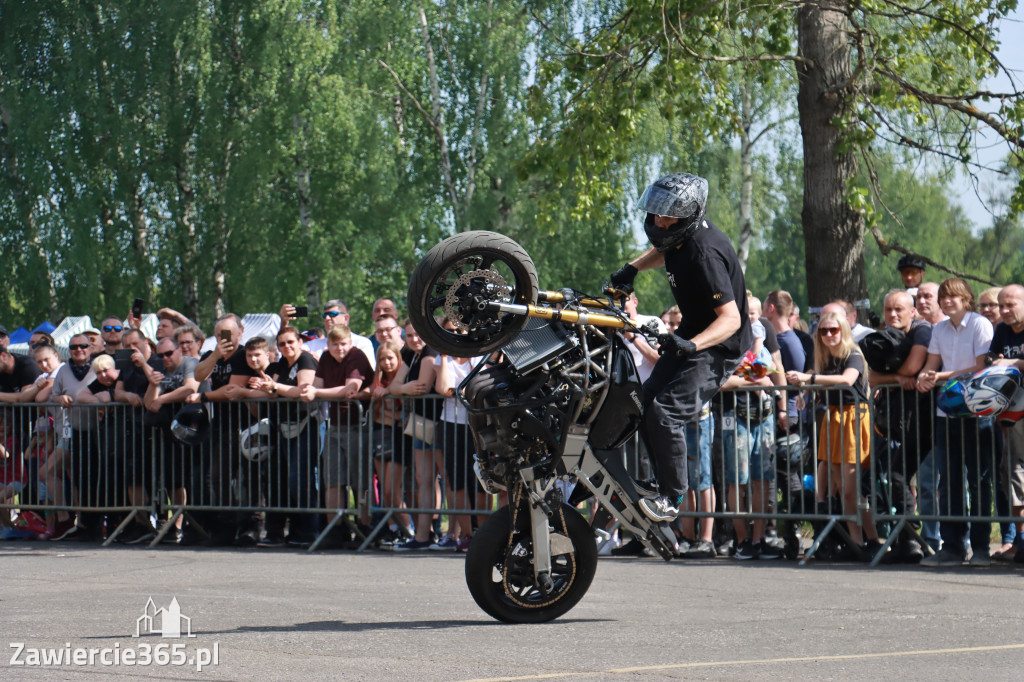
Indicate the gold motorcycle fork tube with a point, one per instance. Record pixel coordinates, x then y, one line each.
570 316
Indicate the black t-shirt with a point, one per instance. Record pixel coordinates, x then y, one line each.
1007 343
24 372
97 388
705 273
859 390
423 405
225 369
920 333
289 376
134 379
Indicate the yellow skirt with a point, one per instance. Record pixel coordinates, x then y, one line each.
845 432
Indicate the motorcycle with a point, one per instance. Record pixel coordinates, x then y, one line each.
554 397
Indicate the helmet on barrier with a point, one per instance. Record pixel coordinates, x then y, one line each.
1014 411
951 397
991 390
679 195
256 443
191 425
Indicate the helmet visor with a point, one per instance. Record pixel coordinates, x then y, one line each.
664 202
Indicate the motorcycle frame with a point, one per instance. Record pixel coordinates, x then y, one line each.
604 477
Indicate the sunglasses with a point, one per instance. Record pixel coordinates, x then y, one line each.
78 346
165 354
333 313
112 327
829 331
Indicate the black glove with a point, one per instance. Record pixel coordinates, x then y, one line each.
672 344
622 279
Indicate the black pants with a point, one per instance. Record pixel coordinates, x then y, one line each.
673 396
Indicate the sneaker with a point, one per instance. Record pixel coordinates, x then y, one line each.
246 538
944 557
136 534
726 548
646 488
658 508
870 550
65 529
980 557
413 546
1005 553
172 537
632 548
701 550
770 550
910 552
271 541
748 550
464 543
445 544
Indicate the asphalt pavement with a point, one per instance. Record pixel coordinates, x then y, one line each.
282 614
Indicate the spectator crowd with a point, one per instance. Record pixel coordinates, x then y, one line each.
255 443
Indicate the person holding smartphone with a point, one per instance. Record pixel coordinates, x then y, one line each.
228 374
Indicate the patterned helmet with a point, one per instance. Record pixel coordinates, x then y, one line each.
991 390
679 195
951 397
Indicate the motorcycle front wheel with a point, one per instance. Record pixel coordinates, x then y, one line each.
457 278
499 567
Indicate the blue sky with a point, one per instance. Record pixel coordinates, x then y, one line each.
991 149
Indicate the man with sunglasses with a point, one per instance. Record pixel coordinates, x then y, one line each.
112 333
336 312
165 395
708 286
72 448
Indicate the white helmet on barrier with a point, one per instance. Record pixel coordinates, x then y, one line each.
256 443
991 390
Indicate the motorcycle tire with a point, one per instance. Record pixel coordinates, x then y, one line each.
459 273
499 568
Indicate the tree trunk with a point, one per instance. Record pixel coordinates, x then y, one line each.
140 238
187 234
746 236
833 230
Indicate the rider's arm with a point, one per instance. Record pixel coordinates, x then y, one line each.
650 259
727 322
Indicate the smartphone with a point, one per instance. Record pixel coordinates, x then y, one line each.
123 359
137 307
301 311
225 334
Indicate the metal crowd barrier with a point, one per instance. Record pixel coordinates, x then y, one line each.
302 472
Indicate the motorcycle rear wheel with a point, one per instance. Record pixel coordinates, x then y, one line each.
499 568
459 274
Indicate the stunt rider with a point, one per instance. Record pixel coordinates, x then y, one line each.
707 283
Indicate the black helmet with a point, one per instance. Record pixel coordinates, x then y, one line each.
885 350
679 195
908 261
191 425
